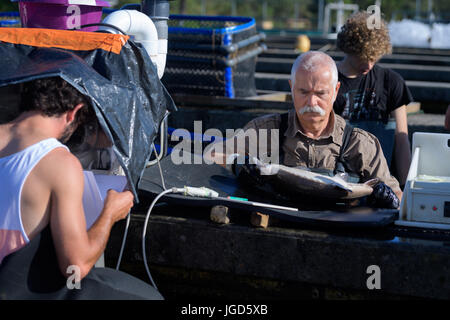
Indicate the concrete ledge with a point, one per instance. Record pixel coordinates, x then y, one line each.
287 256
429 60
415 72
421 90
225 113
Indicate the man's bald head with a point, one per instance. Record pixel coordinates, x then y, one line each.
312 61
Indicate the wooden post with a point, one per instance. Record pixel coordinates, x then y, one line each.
258 219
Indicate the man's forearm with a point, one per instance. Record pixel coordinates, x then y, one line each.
402 156
116 207
98 236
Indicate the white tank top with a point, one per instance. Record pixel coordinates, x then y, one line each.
14 170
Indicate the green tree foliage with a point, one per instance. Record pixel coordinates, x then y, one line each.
7 5
282 12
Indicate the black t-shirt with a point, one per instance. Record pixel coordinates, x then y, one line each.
372 96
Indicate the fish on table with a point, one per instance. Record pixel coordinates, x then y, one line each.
306 182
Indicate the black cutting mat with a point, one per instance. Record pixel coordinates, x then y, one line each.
225 183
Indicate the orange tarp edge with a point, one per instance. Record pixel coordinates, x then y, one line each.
64 39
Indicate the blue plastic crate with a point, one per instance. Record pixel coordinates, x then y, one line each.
212 55
221 27
10 19
9 23
10 14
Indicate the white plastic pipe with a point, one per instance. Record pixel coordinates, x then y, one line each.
162 55
142 28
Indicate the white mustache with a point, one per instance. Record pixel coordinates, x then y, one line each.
311 109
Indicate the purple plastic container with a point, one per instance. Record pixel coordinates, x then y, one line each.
61 14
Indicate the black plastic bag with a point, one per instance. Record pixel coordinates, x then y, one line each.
128 98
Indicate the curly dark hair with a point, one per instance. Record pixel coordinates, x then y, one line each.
53 97
368 44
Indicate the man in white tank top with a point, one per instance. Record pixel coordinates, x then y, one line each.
48 180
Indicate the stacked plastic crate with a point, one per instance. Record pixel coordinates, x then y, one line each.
9 19
212 55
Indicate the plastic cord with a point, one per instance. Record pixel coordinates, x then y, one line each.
101 24
144 254
199 192
159 166
163 137
124 240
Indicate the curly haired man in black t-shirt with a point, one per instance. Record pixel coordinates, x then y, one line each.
370 94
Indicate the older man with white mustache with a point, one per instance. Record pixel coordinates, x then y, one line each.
311 135
314 86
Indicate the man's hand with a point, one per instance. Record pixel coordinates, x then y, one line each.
118 204
383 197
248 171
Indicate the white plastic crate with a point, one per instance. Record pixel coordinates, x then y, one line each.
426 198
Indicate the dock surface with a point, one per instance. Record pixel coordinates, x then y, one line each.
191 256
